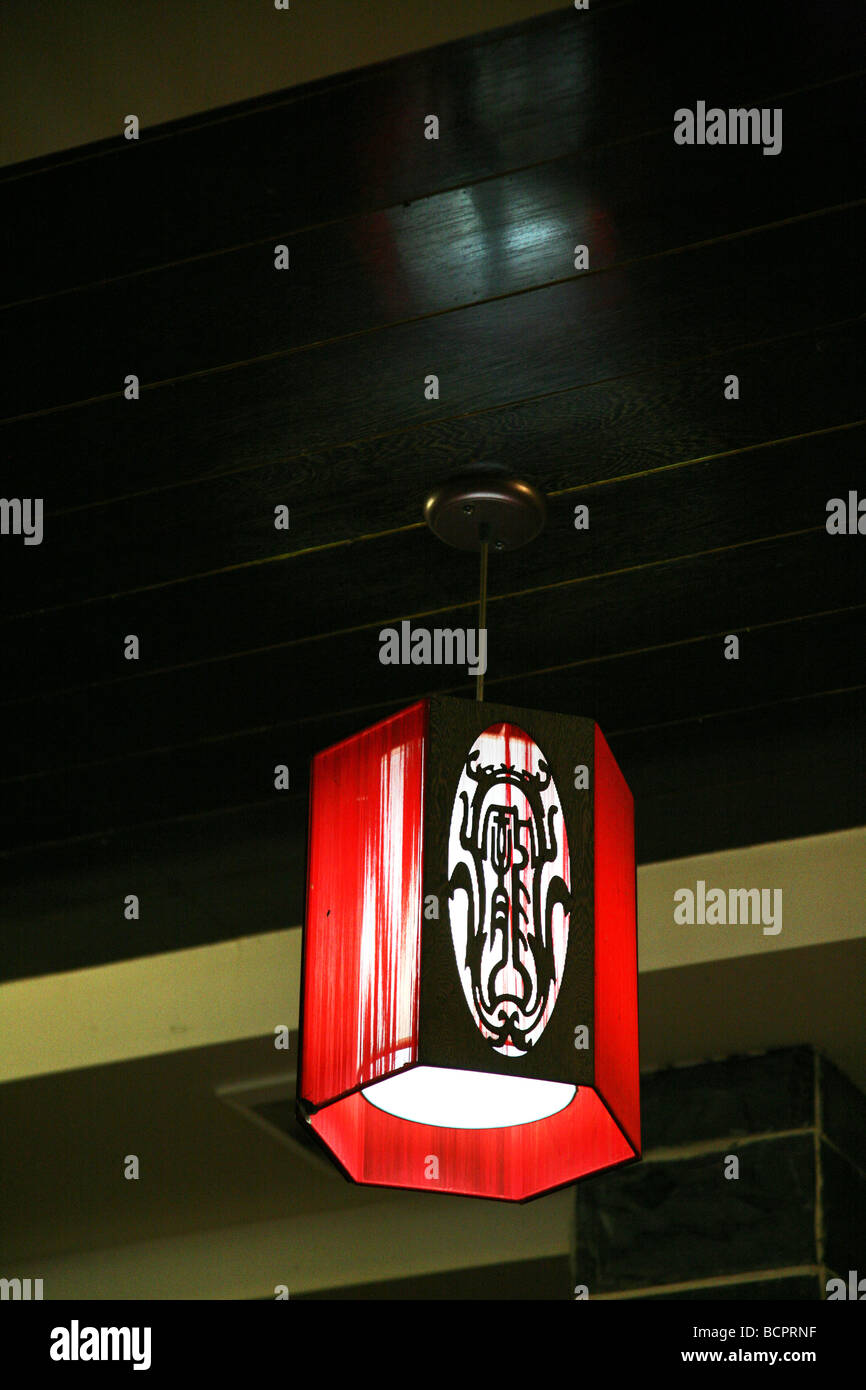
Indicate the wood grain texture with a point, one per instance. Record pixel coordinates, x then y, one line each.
581 332
412 257
709 784
564 83
120 773
493 239
282 621
614 428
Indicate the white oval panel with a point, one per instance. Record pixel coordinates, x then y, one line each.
509 888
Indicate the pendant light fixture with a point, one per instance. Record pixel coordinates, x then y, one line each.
469 973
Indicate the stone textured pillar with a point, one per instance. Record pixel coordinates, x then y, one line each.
676 1227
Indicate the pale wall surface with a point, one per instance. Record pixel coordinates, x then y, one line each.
70 73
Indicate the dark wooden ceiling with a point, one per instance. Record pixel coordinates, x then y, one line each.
305 387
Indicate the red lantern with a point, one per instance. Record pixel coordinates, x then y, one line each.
469 982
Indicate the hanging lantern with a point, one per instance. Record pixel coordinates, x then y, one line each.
469 977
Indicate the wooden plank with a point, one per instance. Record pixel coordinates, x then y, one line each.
495 238
701 507
513 98
194 874
65 901
677 673
614 428
743 778
230 725
788 770
595 328
672 684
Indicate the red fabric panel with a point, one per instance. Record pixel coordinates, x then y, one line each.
362 934
617 1067
512 1163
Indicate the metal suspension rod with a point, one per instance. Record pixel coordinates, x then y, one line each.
484 532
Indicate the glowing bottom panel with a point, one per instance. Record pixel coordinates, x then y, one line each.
452 1099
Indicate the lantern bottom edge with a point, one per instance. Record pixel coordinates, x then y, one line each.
509 1163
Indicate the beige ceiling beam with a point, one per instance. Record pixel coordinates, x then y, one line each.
245 988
